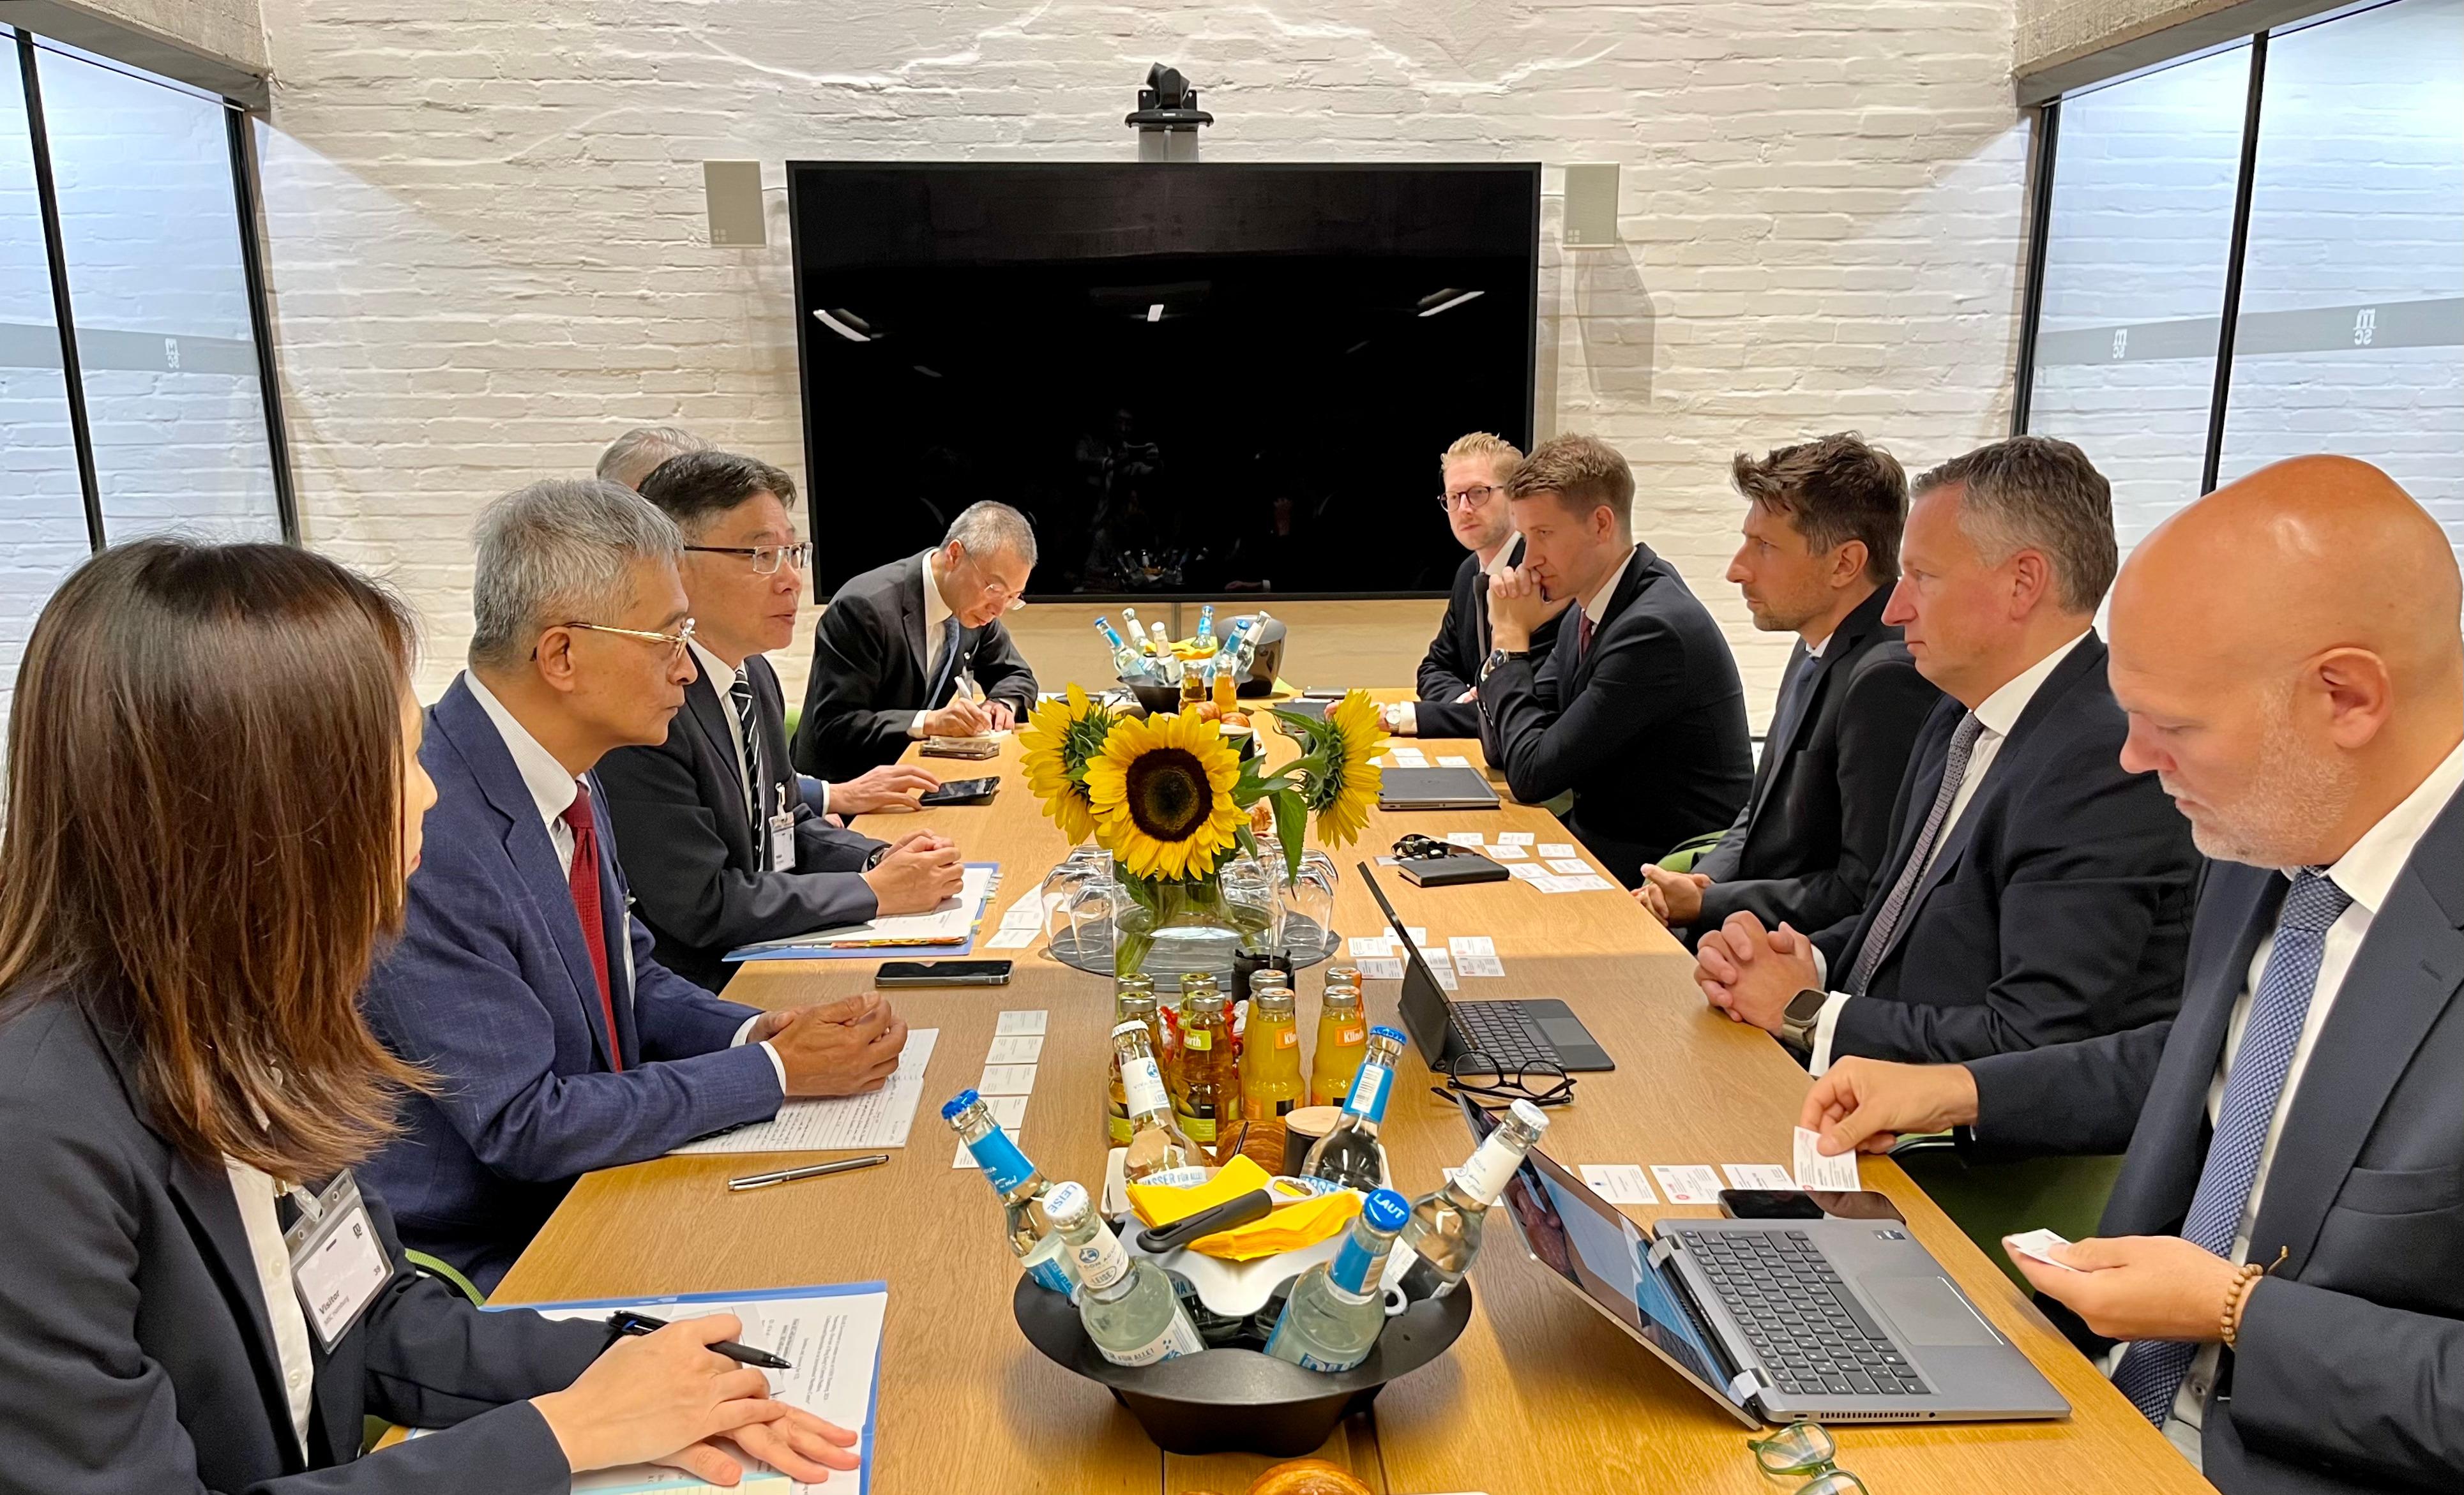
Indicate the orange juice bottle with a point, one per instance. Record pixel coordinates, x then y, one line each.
1271 1062
1342 1041
1209 1104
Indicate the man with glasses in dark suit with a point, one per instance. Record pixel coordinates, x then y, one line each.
714 837
895 651
1475 471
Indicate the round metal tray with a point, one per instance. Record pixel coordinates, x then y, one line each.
1091 949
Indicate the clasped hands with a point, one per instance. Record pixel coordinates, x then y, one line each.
1517 607
843 1048
1750 973
2122 1286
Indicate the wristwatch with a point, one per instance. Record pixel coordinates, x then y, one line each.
1798 1018
1497 657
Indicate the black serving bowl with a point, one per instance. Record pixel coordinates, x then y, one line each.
1233 1401
1157 699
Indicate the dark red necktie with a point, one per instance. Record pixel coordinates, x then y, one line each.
585 907
1582 632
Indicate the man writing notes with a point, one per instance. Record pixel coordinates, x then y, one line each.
892 654
1638 708
2036 890
710 828
521 983
1475 471
2284 1250
1820 556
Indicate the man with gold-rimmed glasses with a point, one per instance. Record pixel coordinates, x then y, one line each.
894 654
522 981
1474 470
716 838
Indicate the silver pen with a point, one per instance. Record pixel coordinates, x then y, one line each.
816 1171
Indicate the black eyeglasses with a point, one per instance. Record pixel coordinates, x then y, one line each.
1472 1072
1413 848
1806 1449
1469 497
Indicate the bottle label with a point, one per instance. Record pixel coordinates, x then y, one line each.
1200 1129
1347 1037
1197 1038
1044 1265
1491 1169
1288 1037
1180 1337
1101 1261
1368 1097
1356 1268
1117 1128
1004 1166
1142 1086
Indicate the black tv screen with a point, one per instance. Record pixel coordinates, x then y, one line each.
1196 379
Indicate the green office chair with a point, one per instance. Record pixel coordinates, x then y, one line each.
428 1265
1988 1201
1680 858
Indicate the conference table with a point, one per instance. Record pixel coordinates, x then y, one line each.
1539 1397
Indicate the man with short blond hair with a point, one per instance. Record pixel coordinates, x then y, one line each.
1638 708
1475 470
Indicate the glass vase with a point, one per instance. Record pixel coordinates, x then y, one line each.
1166 928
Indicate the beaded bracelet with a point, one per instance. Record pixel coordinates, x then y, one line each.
2237 1296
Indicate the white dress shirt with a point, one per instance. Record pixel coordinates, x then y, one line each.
2366 873
1402 719
936 612
1995 715
554 790
1596 605
255 1191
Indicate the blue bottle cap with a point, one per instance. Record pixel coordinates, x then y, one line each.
957 1103
1397 1034
1387 1210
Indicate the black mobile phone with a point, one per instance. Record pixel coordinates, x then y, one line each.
961 791
1858 1204
1768 1204
943 973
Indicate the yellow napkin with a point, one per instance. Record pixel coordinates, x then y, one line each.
1294 1224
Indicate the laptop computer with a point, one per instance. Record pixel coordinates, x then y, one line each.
1434 789
1515 1032
1832 1320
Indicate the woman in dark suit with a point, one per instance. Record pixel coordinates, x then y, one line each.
214 799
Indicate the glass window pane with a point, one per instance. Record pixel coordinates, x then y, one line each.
42 513
161 300
2351 336
2136 242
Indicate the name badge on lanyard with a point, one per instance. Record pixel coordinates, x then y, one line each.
337 1264
782 836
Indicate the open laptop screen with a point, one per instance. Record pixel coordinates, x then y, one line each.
1584 1239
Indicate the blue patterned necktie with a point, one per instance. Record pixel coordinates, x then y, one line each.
945 665
2150 1373
1877 939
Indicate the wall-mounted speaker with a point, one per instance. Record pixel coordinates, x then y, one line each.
733 189
1591 219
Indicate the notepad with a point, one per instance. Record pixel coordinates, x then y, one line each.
881 1118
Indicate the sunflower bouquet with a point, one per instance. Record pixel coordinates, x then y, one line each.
1172 799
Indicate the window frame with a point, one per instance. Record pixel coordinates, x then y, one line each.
239 135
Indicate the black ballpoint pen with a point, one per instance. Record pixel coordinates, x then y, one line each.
624 1321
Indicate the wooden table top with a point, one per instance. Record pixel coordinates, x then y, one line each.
1539 1397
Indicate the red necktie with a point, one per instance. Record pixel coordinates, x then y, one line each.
1582 632
585 907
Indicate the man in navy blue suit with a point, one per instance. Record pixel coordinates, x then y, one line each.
522 982
2283 1254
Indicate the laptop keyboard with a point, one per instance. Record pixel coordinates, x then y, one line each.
1500 1030
1810 1332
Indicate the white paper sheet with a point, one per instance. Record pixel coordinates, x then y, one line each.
1620 1183
1010 1111
1021 1049
1453 761
1814 1171
1529 871
1757 1176
1372 947
1475 955
950 921
1014 938
1515 838
1555 849
1569 866
832 1340
1462 837
1020 1022
880 1119
1502 852
1007 1080
1588 882
1688 1183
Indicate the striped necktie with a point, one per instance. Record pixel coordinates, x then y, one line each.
945 665
748 751
2150 1373
1887 924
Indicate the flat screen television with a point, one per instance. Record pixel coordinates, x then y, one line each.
1196 379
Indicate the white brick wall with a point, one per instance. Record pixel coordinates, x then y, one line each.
487 249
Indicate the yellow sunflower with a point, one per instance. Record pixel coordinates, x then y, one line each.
1343 794
1161 790
1059 740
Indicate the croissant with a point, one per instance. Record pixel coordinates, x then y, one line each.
1308 1477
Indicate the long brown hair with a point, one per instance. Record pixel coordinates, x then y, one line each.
204 838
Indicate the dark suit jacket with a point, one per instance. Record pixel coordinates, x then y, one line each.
1452 664
867 682
137 1354
2348 1361
698 864
2058 907
491 990
1647 727
1818 820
